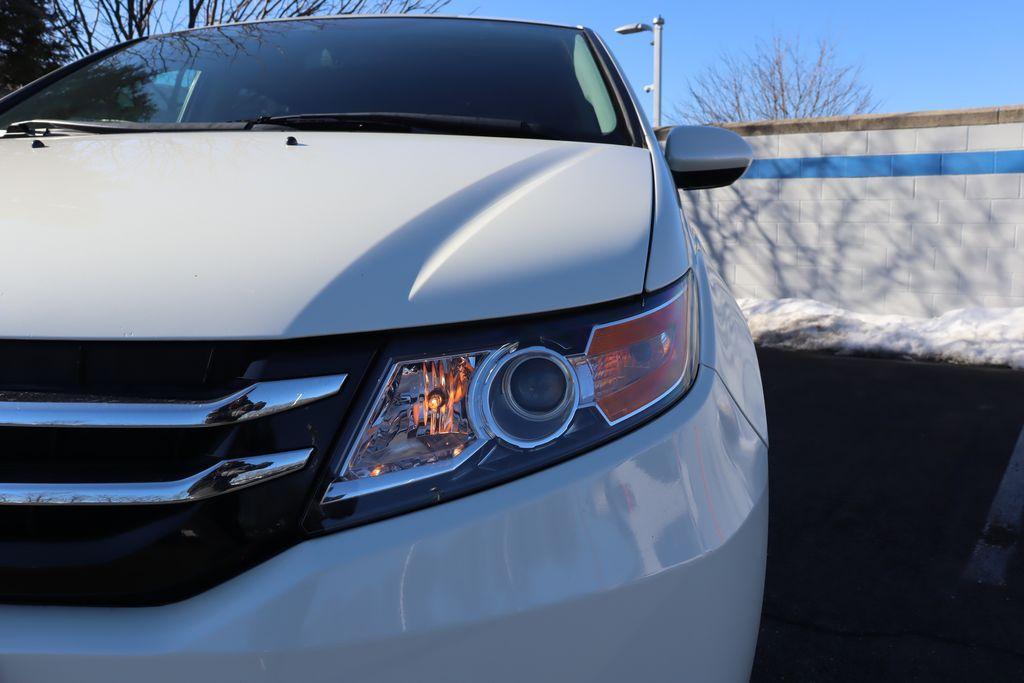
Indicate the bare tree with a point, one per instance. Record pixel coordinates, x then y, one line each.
777 81
90 25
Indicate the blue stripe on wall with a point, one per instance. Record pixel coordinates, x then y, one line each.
890 165
917 164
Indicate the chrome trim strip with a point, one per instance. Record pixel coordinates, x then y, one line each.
224 477
346 489
26 409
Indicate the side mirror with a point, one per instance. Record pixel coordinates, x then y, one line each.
702 157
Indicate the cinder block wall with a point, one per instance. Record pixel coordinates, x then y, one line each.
914 214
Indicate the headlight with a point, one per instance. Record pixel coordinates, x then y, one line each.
458 412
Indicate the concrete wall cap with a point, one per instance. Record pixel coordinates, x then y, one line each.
858 122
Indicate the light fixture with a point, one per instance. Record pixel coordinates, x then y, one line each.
630 29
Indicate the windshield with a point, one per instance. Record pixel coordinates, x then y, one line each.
546 77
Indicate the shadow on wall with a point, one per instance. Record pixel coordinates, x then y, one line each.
867 255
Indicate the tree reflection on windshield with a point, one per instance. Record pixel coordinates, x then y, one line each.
114 92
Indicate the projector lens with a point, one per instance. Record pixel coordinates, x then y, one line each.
537 388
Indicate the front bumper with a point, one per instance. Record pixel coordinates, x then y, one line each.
642 560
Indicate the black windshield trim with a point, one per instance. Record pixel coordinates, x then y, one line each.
398 17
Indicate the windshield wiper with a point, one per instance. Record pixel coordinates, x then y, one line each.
402 122
44 127
396 122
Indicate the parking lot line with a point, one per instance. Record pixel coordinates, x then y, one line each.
998 540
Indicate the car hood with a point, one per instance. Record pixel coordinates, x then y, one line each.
240 235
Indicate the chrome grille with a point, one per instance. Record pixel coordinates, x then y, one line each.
26 409
135 472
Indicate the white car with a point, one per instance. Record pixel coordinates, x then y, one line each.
369 349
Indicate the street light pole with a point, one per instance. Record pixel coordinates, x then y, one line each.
659 23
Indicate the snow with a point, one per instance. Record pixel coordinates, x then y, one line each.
976 336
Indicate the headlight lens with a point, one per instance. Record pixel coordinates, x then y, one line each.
446 424
525 397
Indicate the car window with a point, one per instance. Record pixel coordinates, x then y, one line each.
544 76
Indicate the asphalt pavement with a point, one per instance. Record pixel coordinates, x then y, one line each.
893 549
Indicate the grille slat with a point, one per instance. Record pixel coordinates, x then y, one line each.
224 477
260 399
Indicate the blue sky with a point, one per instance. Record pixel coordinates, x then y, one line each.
916 55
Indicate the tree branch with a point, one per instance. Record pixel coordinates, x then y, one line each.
776 81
